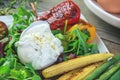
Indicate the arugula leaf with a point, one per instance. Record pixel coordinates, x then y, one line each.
29 66
82 40
76 42
36 77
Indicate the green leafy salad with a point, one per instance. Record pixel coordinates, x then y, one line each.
74 43
10 67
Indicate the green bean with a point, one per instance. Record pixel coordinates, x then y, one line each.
108 73
102 68
116 76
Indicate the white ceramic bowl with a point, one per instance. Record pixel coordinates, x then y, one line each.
107 17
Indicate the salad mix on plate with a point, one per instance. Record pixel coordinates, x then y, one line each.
25 47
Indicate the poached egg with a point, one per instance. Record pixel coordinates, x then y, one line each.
38 46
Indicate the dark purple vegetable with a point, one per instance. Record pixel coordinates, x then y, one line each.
2 44
71 56
1 50
67 56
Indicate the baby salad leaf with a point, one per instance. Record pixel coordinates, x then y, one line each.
22 20
76 42
36 77
10 66
29 66
4 70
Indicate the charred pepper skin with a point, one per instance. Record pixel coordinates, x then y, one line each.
56 16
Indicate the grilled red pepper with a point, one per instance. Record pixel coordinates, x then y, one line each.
56 16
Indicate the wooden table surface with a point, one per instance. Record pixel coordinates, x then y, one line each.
108 33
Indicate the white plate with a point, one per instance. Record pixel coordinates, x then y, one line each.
101 46
7 19
107 17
